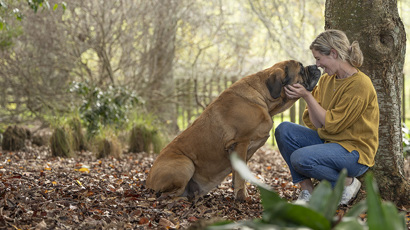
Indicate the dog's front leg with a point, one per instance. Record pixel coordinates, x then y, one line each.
239 183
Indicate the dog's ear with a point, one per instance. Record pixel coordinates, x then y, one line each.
274 84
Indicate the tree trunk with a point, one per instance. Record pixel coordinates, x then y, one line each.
161 60
377 27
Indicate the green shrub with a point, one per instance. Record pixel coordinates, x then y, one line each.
104 107
319 212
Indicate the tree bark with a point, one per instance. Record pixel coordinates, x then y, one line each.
161 58
377 27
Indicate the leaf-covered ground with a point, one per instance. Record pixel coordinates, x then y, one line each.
38 191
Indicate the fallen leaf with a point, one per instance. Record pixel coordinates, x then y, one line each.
143 221
166 223
41 225
116 194
363 215
192 219
84 170
79 183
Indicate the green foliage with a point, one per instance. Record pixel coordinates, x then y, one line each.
406 139
7 35
7 32
6 11
35 5
101 108
319 212
380 215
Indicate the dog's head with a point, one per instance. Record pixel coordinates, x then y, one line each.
291 72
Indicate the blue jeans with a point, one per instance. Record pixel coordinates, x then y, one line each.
308 156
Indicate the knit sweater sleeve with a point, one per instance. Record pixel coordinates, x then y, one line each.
305 117
349 110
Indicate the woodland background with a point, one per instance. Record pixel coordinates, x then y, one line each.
155 65
174 58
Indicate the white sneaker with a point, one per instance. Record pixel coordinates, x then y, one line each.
350 191
303 198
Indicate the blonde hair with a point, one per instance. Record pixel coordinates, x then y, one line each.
337 40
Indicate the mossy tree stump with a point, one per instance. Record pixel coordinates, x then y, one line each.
138 140
14 138
78 139
109 147
60 143
144 139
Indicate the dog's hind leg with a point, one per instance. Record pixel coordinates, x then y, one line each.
171 174
192 190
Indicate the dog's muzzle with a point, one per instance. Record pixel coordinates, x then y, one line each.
311 77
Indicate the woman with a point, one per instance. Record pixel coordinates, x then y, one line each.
342 116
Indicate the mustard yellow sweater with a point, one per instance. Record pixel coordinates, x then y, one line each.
352 114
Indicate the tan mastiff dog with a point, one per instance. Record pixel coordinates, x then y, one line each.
239 120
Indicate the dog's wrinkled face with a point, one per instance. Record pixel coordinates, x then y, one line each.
310 75
291 72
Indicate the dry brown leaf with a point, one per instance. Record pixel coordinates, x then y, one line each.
113 193
166 224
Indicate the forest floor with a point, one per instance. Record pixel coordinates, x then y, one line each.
38 191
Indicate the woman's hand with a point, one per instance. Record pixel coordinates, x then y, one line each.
296 91
317 114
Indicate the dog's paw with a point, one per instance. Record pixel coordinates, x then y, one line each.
242 195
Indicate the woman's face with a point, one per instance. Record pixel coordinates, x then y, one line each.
327 62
